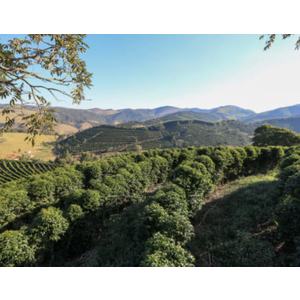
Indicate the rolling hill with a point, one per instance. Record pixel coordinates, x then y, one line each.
68 120
186 115
170 134
282 112
291 123
227 112
80 119
73 120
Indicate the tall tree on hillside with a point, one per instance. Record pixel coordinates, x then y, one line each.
37 68
268 135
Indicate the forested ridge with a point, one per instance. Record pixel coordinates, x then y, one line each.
135 209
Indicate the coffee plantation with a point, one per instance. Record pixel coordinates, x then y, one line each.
134 209
13 170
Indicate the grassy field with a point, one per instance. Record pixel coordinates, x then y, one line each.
11 142
65 129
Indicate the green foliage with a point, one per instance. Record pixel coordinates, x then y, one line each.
15 250
66 180
174 225
289 171
272 37
268 135
91 200
129 209
292 185
162 251
41 190
287 210
246 251
13 204
48 225
287 217
289 160
207 162
58 54
75 213
88 157
236 228
191 176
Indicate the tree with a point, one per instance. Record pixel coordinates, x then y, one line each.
49 225
22 77
138 148
271 40
15 249
162 251
41 189
46 229
88 156
268 135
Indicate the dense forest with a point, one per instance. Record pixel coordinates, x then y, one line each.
145 210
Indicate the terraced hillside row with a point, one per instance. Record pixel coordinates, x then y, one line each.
14 170
102 137
171 134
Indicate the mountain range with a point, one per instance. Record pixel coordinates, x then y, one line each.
72 120
282 112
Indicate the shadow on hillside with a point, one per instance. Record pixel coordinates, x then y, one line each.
236 226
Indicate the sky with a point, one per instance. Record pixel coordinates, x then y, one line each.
203 71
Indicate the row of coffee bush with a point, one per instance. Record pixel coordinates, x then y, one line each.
155 231
288 210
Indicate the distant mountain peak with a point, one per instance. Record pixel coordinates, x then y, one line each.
281 112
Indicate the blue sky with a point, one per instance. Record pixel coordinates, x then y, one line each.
204 71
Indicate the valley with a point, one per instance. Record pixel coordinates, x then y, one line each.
136 130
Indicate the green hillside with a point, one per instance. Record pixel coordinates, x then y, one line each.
140 115
282 112
186 115
171 134
232 112
292 123
227 112
108 138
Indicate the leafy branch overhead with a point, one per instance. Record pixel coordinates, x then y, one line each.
271 40
39 67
